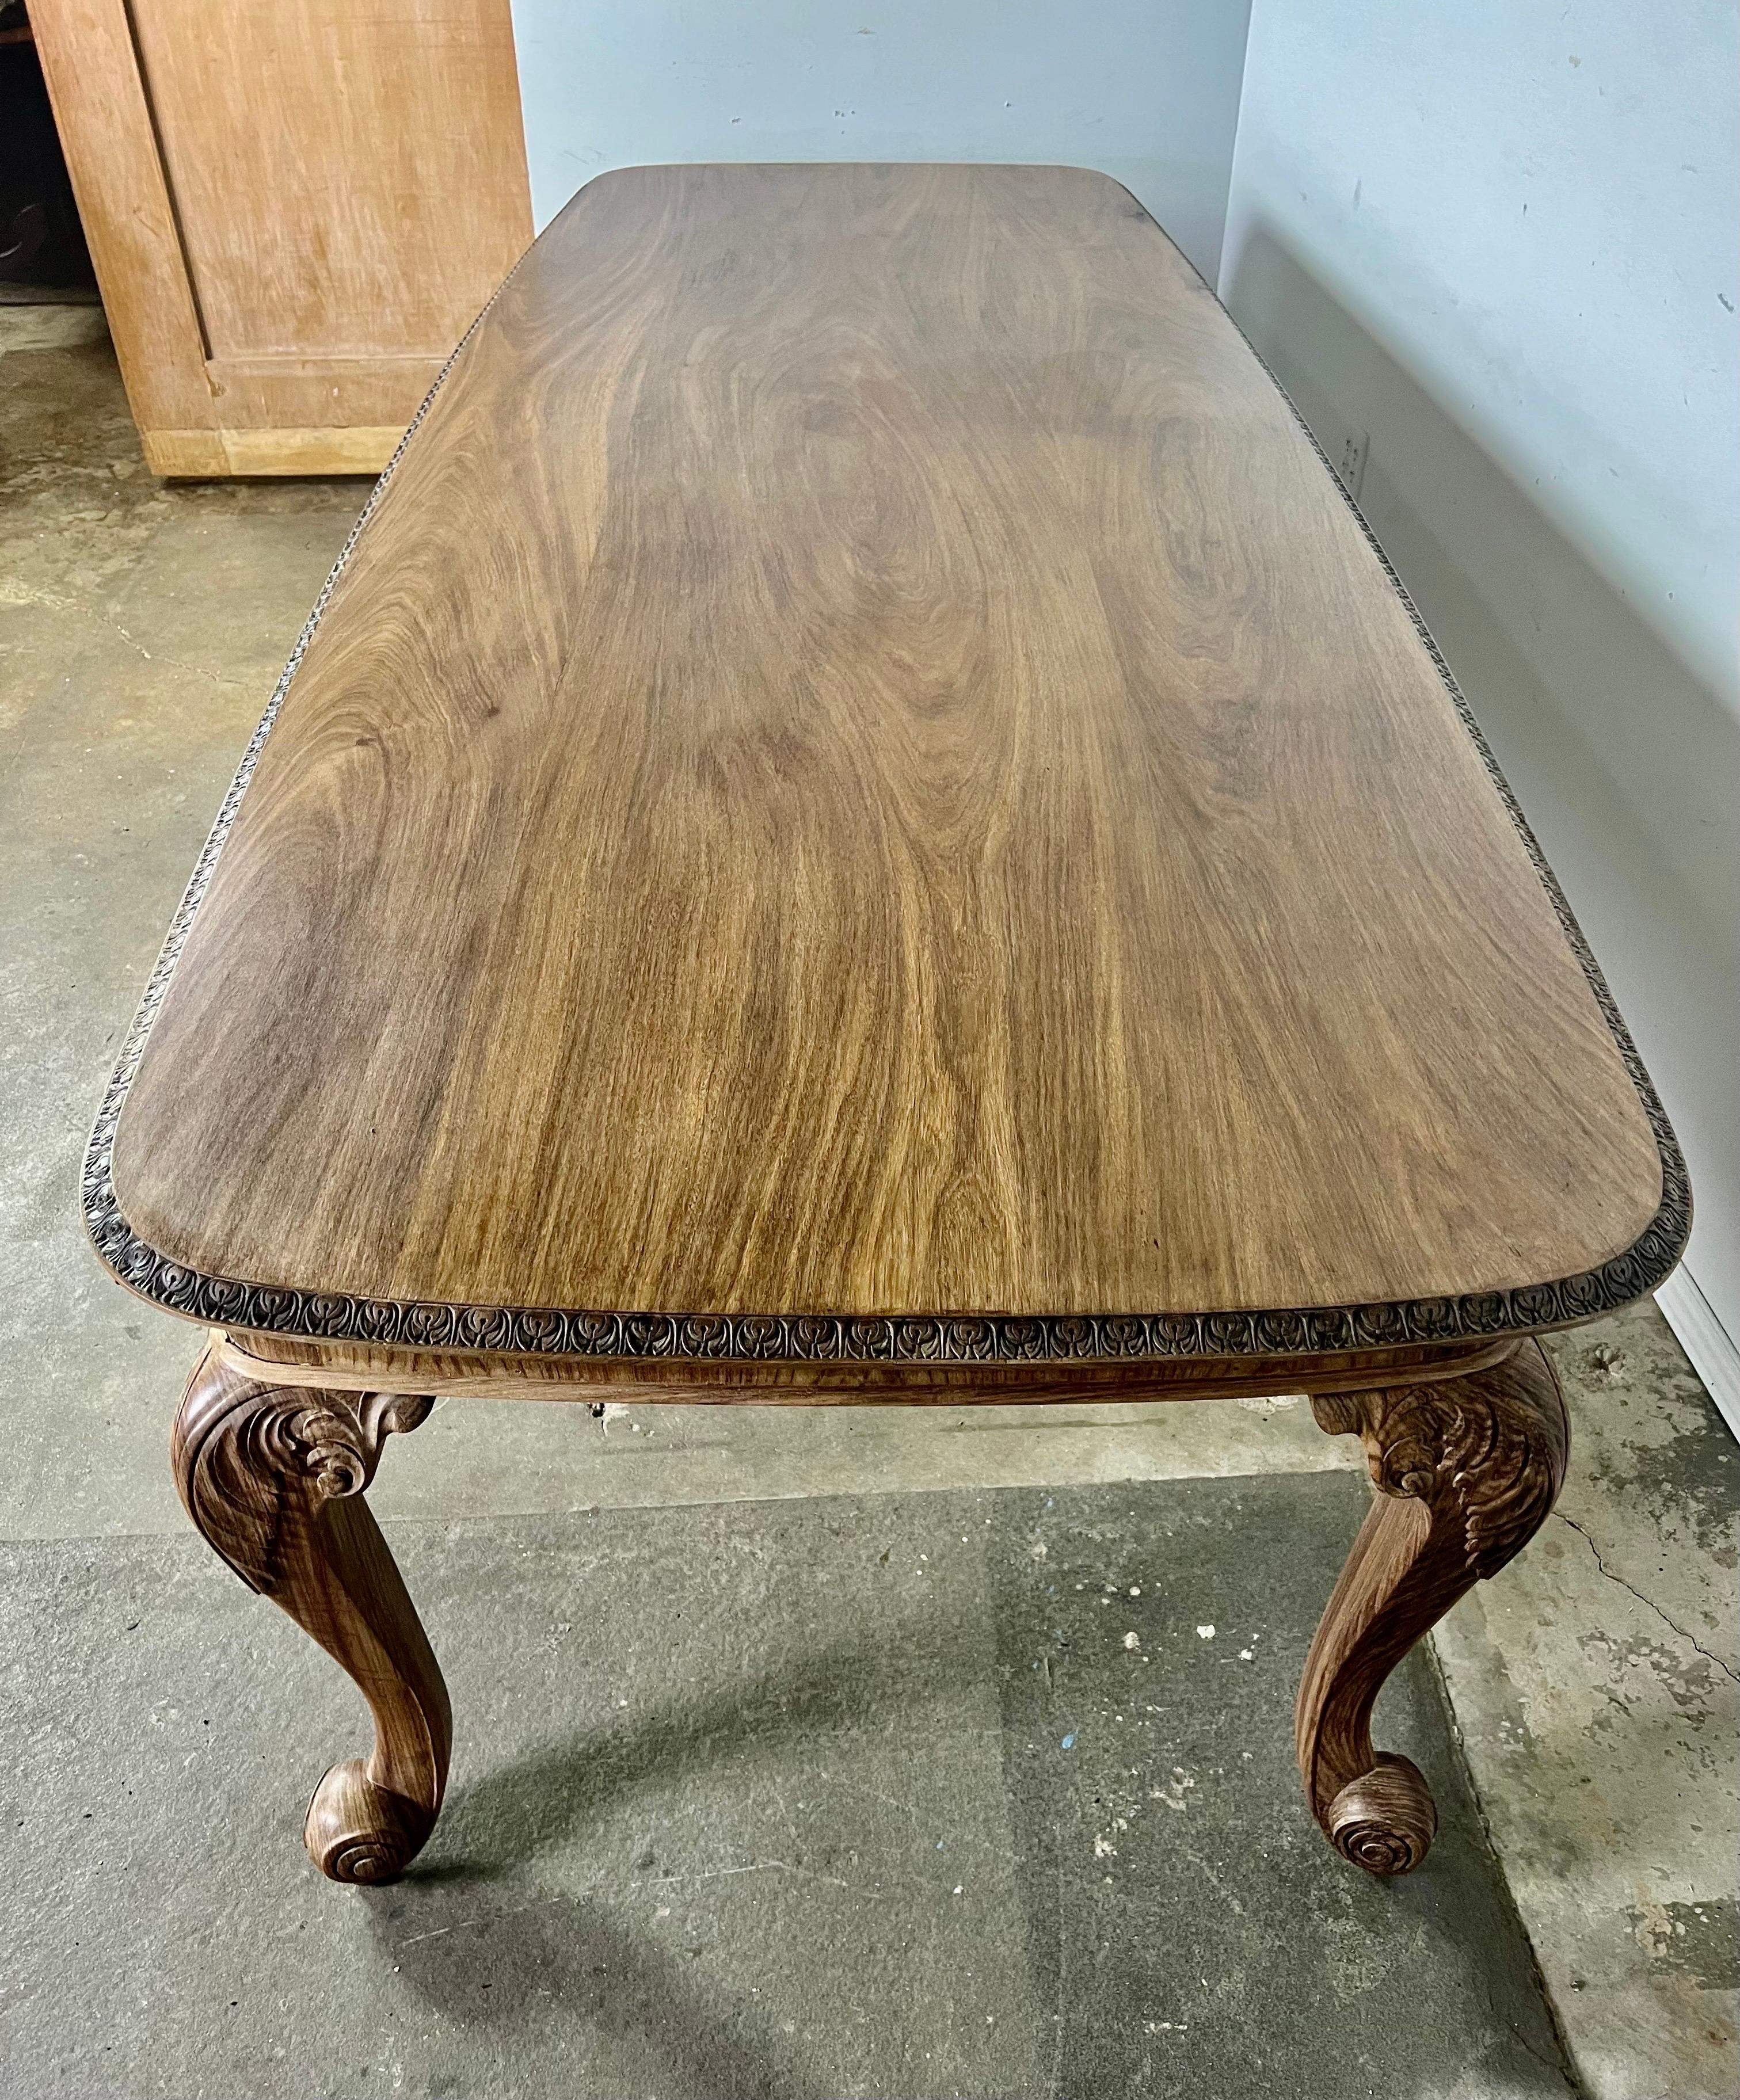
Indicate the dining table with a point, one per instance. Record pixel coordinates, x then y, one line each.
862 820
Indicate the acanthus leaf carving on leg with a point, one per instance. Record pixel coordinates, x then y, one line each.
1468 1469
273 1478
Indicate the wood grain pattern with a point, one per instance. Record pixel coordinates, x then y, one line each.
861 766
273 1477
268 395
199 455
1468 1470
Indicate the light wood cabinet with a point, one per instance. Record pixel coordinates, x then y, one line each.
295 210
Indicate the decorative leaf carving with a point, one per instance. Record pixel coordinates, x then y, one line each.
251 1454
272 1475
1485 1448
1484 1454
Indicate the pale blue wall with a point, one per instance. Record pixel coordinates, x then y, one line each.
1502 239
1147 91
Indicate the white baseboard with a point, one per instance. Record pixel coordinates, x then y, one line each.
1715 1357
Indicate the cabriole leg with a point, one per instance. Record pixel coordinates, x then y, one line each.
273 1477
1467 1468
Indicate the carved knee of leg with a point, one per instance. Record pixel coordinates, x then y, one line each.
1466 1469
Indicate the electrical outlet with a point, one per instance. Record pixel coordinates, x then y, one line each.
1350 462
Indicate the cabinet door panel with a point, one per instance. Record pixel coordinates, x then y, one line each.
348 180
343 188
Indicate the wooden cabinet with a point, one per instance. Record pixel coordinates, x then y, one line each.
295 210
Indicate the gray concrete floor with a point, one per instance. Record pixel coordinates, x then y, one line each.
798 1752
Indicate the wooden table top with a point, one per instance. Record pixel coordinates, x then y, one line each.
860 767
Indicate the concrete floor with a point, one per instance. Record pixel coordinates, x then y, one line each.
798 1752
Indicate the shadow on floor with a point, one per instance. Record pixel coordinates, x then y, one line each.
505 1963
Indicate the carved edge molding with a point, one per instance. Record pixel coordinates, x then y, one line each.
940 1337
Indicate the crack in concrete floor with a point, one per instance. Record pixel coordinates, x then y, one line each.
1690 1638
